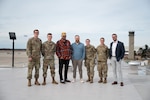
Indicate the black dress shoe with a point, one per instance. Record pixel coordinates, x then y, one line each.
62 81
114 83
121 84
67 81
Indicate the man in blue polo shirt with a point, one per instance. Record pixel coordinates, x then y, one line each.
78 56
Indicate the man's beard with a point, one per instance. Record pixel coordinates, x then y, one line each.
115 39
77 41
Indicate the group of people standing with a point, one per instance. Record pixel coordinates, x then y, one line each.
77 52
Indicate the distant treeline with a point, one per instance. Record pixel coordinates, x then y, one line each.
11 49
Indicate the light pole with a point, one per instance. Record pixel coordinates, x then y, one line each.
12 37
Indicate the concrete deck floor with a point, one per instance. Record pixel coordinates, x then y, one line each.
13 86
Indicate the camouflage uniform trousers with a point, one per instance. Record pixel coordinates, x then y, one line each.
102 69
89 64
46 63
35 63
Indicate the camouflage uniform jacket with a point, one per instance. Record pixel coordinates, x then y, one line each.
34 47
48 49
102 53
90 52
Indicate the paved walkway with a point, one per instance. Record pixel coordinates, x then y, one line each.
13 86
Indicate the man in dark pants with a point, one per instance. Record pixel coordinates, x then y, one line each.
63 51
116 54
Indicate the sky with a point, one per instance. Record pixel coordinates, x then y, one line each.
91 19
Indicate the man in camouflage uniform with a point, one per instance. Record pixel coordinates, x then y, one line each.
90 56
102 55
34 46
48 51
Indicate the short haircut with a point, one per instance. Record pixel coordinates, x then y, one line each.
77 35
35 30
49 34
88 39
102 38
114 34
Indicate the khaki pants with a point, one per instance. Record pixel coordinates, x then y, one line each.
46 63
102 69
35 63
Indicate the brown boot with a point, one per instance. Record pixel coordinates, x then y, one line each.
105 80
36 82
88 80
44 81
29 82
54 82
101 80
91 80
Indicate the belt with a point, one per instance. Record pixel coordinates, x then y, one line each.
113 56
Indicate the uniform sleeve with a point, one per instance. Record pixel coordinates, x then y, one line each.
94 50
41 45
107 52
96 53
43 49
29 48
54 47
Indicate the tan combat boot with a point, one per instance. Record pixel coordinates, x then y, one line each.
105 80
44 81
29 82
88 80
54 82
91 80
36 82
101 80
